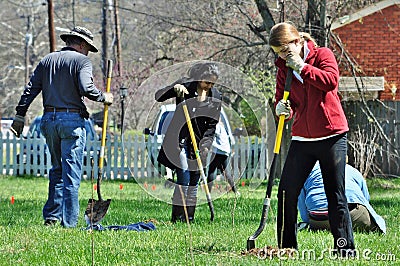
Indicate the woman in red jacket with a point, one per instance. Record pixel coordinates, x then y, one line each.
319 132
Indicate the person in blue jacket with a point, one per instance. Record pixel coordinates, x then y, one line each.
313 205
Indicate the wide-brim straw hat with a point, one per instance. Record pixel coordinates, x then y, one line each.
83 33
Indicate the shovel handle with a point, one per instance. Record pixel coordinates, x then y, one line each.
198 159
105 116
104 131
272 170
279 131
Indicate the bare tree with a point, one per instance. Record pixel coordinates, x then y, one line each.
153 35
364 147
21 31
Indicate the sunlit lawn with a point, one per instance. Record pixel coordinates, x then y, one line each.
25 241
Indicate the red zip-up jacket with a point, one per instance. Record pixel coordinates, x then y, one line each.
315 103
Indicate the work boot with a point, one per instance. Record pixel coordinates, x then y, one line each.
177 213
191 210
191 202
50 222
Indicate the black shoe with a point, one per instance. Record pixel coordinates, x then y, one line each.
177 213
50 222
348 253
345 253
191 210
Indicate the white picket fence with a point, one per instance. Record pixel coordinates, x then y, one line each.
124 159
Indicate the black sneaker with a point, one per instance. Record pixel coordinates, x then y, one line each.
50 222
348 253
344 253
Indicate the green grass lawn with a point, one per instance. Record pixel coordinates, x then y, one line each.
25 241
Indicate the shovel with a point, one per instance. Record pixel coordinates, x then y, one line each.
267 200
198 159
97 209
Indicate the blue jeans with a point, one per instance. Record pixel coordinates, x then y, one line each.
187 181
65 135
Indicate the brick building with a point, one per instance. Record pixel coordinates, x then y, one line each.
372 37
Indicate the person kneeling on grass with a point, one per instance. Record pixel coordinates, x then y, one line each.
313 204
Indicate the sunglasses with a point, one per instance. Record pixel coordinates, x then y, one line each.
282 49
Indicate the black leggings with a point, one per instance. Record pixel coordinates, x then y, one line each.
302 155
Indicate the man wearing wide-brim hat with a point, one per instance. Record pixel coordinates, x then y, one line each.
65 78
80 33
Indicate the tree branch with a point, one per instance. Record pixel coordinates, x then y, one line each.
366 110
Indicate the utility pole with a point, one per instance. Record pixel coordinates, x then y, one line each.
73 12
104 37
52 37
118 38
323 23
28 42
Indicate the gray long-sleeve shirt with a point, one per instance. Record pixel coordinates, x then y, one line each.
64 78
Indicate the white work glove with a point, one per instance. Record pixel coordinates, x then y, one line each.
204 155
17 125
283 108
108 98
180 90
294 61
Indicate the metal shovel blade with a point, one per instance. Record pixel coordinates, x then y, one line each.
96 210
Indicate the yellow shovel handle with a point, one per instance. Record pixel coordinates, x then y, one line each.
105 118
281 122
